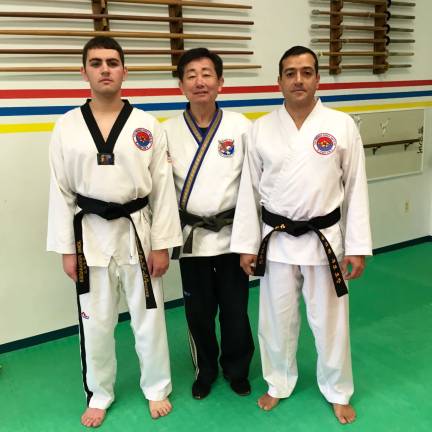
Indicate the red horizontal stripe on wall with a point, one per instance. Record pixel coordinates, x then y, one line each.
81 93
44 93
331 86
85 93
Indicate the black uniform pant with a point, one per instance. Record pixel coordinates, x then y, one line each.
209 284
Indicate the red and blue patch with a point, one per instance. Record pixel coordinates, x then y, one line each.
226 147
143 138
324 143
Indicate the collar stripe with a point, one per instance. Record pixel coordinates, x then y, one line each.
204 144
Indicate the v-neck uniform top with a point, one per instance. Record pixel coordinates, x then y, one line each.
300 174
139 171
216 185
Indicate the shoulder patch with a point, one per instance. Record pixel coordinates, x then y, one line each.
142 138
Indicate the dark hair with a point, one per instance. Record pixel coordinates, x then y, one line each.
296 51
199 53
102 42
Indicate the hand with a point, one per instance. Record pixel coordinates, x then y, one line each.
158 262
70 266
247 263
357 263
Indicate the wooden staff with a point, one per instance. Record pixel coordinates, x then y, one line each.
121 34
387 14
121 17
362 40
72 51
346 27
366 66
186 3
376 2
161 68
387 28
364 53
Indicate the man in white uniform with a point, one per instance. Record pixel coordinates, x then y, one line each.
303 193
206 147
112 216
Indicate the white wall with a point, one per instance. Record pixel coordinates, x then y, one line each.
35 297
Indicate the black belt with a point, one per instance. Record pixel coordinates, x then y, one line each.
296 229
212 223
109 211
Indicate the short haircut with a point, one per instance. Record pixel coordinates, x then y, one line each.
296 51
102 42
196 54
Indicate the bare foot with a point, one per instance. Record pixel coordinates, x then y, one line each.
267 402
344 413
93 417
159 408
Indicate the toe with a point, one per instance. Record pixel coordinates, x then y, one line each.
97 422
342 419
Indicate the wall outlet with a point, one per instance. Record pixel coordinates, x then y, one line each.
407 206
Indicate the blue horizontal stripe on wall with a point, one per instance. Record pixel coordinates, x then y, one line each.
30 111
163 106
370 96
170 106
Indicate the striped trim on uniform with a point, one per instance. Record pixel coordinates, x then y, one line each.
204 144
89 394
193 352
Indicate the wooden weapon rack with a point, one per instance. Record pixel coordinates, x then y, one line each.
378 21
226 33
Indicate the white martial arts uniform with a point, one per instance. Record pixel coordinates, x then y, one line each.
216 186
301 174
212 278
140 169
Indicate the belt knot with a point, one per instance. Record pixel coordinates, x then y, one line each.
113 211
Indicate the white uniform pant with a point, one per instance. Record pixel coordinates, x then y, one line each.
279 327
98 319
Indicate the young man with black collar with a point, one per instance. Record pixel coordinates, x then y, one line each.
112 216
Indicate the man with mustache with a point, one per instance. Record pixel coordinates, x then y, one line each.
302 221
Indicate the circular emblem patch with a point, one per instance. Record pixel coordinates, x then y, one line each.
226 147
143 138
324 143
